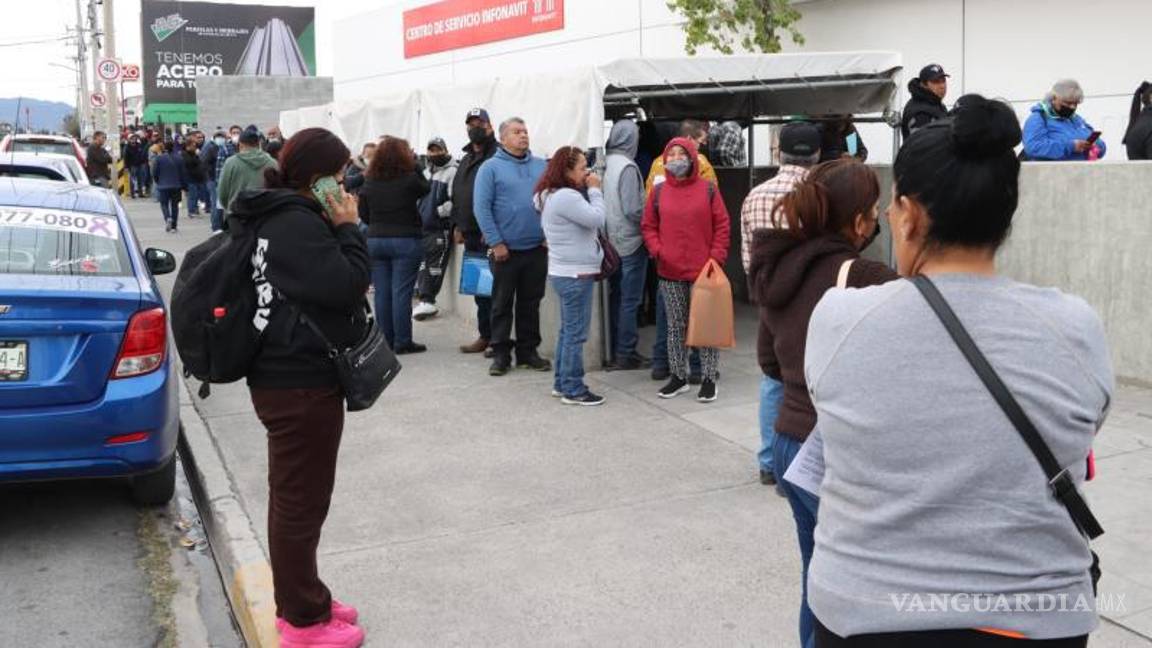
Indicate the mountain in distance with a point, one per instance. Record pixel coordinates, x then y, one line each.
45 115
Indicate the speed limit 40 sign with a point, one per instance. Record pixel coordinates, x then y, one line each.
108 70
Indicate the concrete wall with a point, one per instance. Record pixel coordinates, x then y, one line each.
225 100
1086 228
997 48
451 302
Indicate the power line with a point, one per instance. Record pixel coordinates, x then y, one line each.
37 42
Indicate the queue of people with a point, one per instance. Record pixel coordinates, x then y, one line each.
902 506
900 496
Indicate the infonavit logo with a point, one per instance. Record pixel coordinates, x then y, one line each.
164 27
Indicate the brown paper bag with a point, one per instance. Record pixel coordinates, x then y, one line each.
711 320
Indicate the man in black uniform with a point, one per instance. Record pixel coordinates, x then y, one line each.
927 102
481 146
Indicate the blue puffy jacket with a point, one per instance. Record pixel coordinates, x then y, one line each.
1048 136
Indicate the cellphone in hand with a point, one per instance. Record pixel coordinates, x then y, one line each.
325 187
1094 136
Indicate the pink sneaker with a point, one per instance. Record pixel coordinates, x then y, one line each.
333 634
345 613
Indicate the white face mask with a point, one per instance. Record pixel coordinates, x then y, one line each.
235 139
219 141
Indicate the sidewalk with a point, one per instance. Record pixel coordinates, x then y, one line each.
472 510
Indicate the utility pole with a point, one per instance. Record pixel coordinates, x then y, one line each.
113 108
82 86
94 51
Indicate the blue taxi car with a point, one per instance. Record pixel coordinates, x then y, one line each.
87 381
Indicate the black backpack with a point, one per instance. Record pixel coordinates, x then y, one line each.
214 307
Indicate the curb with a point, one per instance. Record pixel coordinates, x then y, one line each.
240 559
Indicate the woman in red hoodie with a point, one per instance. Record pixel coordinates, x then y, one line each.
685 224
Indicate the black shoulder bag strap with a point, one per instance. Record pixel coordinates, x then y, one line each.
1058 478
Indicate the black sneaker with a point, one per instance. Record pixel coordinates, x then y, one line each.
767 478
707 392
632 363
660 373
674 388
535 363
411 347
587 400
500 367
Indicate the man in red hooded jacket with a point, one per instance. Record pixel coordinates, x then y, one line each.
685 224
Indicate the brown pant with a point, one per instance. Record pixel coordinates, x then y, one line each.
304 428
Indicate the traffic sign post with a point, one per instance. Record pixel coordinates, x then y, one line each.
99 100
108 70
130 72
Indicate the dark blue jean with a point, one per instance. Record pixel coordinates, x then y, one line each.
660 349
805 506
197 192
210 195
395 262
140 179
575 296
170 204
627 286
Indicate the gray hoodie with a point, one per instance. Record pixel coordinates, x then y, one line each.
624 188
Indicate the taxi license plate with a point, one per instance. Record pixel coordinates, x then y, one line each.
13 360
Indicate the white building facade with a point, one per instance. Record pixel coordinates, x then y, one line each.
1011 49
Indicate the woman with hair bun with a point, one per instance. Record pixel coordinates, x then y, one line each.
821 227
937 523
1138 137
310 260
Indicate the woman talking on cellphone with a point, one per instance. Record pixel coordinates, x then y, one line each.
311 259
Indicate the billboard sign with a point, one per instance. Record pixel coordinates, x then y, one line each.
186 40
456 24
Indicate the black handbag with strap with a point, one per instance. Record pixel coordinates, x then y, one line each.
1061 483
365 369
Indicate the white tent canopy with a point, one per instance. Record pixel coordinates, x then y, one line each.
570 107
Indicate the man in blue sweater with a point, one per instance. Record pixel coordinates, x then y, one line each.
511 227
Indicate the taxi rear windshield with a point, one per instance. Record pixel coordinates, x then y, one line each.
57 242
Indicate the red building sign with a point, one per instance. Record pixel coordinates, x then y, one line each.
455 24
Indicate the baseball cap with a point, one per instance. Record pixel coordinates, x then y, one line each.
477 112
800 139
438 142
932 73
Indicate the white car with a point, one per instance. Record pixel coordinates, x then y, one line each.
30 143
66 165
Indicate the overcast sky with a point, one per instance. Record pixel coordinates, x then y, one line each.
25 69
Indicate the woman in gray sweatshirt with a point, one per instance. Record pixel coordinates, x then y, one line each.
571 223
937 524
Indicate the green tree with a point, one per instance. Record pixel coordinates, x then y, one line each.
754 25
71 125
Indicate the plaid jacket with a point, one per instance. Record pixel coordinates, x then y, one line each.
756 213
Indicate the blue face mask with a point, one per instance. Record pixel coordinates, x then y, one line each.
678 168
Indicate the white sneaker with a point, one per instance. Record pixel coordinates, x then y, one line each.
424 311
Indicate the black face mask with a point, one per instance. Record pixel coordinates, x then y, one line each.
1066 112
440 160
870 239
477 135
